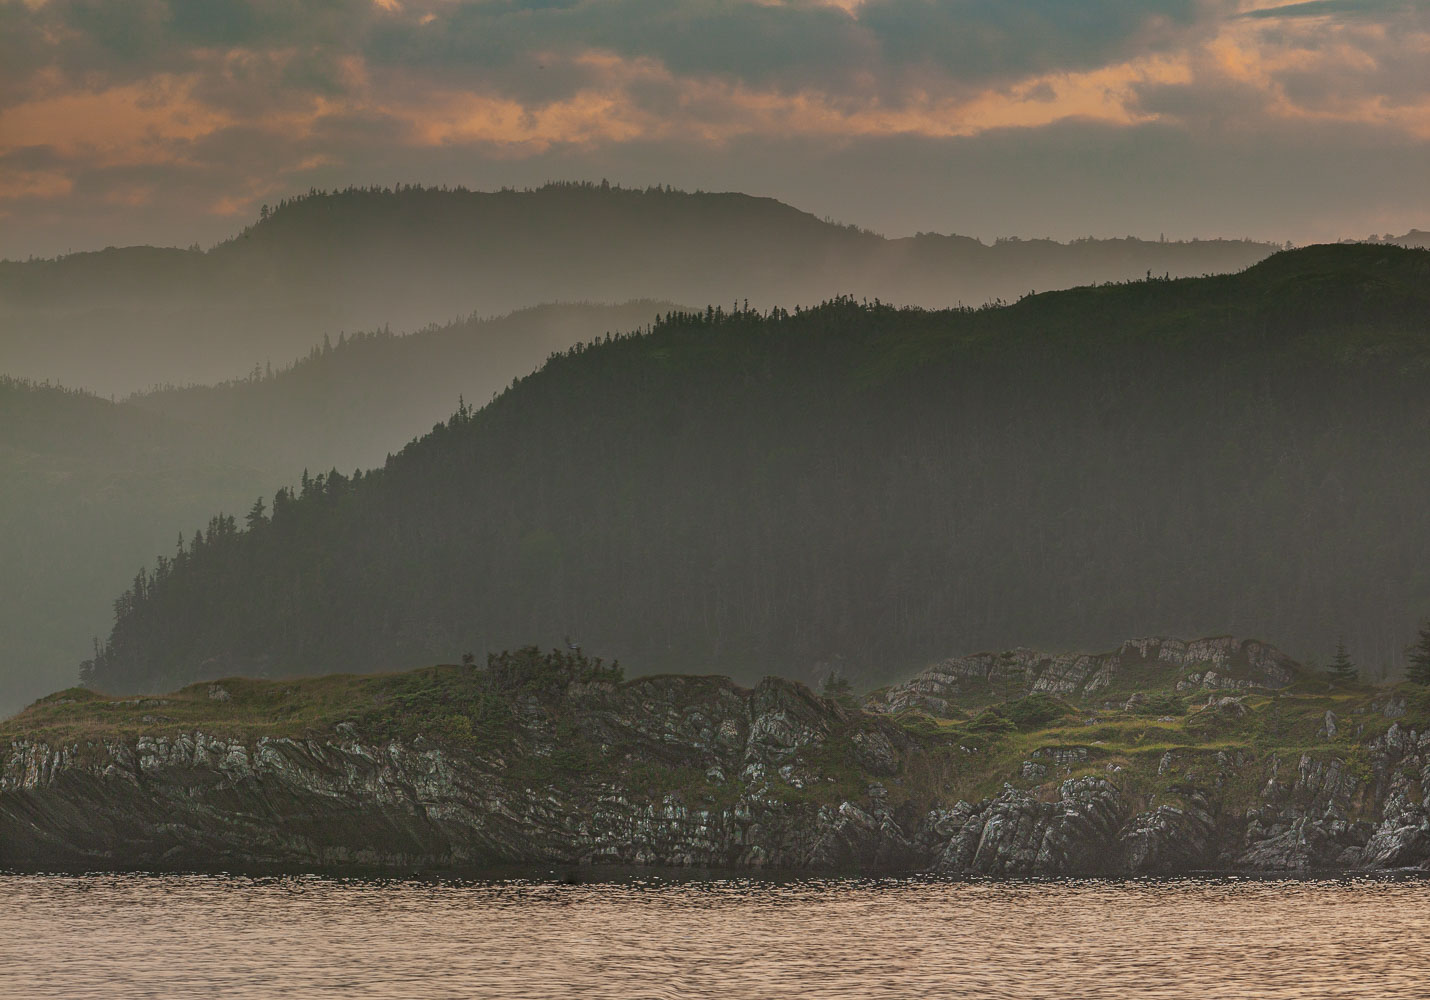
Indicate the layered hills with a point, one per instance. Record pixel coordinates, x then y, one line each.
92 490
124 319
861 488
353 400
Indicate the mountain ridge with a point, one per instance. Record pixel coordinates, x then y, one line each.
123 320
92 489
852 485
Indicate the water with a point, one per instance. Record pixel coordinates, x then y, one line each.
118 937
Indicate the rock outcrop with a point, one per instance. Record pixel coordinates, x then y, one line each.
1219 662
678 771
682 771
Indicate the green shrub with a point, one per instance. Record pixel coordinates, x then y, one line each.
1162 704
1036 711
990 720
455 729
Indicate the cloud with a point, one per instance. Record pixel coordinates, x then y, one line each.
217 104
1339 8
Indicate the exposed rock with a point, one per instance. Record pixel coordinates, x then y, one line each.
1220 662
697 771
1226 704
1168 839
1391 706
1328 729
1306 825
218 693
1016 834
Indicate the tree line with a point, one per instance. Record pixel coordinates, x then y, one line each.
866 488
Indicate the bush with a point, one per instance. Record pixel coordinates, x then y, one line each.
990 720
454 729
1161 704
529 669
1036 711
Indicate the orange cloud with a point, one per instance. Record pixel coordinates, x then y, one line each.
621 99
715 111
121 126
33 184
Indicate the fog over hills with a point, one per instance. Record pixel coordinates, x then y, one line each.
122 320
349 403
91 490
869 487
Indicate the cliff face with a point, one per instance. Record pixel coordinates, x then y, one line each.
668 771
699 772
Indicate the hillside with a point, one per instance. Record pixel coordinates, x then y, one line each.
125 319
556 759
353 401
90 490
868 489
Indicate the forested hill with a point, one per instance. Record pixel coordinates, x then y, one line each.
122 320
90 489
353 400
872 488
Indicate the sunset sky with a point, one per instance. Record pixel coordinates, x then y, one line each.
171 121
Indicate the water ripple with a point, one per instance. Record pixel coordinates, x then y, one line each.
175 937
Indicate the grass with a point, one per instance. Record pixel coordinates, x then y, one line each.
987 751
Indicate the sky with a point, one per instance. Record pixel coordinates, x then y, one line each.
172 121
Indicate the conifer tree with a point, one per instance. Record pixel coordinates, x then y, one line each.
1343 671
1013 675
1419 671
256 515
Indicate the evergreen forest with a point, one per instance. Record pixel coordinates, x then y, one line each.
863 487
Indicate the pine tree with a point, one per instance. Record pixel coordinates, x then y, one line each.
838 688
1013 675
256 515
1343 671
1419 671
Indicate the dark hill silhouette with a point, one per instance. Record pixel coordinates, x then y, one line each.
871 487
121 320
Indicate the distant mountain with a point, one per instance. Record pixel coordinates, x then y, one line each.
352 402
867 489
1416 238
125 319
91 490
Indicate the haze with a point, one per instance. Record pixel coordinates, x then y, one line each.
253 243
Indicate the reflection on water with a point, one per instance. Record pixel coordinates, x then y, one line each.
176 937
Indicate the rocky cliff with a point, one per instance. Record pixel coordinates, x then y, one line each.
584 768
1218 662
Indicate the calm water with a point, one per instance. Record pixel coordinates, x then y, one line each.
117 937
